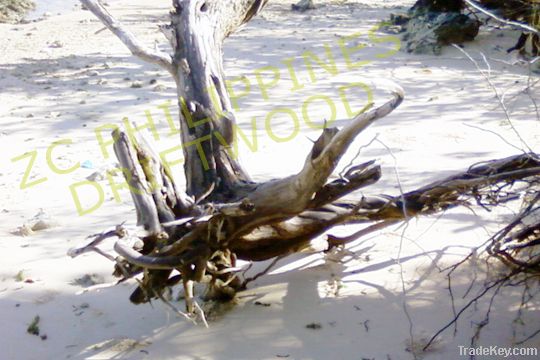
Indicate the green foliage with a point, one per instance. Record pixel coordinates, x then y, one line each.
33 328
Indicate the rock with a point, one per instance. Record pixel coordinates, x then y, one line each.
314 326
427 32
23 231
88 280
159 88
399 19
56 44
95 176
103 172
44 225
430 24
136 85
41 221
535 67
53 115
456 29
303 5
392 29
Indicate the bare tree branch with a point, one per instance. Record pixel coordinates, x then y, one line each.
147 212
127 37
515 24
290 195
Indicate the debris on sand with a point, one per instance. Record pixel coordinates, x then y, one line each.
33 328
41 221
88 280
14 10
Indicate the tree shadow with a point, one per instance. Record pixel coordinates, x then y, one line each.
366 317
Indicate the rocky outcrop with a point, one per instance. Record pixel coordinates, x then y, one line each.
430 25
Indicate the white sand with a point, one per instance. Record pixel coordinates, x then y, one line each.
59 80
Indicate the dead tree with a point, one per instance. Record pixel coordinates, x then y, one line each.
222 215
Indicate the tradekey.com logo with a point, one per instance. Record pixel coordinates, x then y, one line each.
266 78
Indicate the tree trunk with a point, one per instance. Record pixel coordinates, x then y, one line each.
199 28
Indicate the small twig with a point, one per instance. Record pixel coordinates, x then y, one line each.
366 325
485 321
494 133
201 313
178 222
406 219
146 261
264 272
471 302
100 30
334 241
496 91
205 194
97 287
249 266
188 294
99 238
350 164
452 301
521 342
175 309
528 91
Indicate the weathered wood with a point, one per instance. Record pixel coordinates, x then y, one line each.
170 202
223 215
208 169
147 214
199 28
357 177
284 198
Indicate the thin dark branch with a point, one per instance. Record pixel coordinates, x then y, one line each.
472 301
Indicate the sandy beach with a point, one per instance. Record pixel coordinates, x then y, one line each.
65 82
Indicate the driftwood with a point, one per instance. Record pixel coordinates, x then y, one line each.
222 215
518 243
